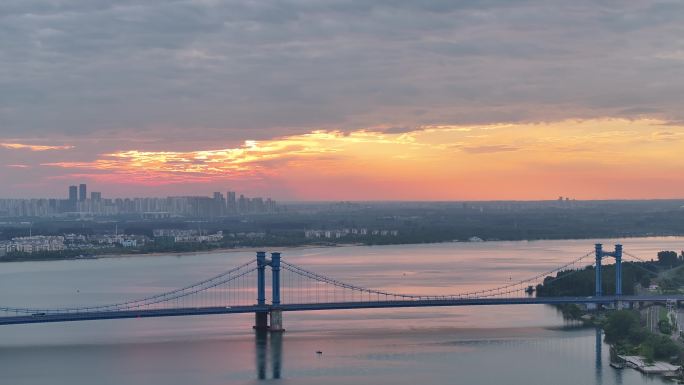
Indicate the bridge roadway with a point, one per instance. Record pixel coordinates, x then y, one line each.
150 313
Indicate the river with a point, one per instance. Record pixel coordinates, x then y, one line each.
528 344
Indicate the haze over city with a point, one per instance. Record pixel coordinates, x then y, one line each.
303 100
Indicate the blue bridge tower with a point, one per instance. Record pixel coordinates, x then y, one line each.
600 254
276 314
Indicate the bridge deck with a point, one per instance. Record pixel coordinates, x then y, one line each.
174 312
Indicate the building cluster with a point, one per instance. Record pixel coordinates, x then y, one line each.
34 244
85 243
79 203
113 240
341 233
188 236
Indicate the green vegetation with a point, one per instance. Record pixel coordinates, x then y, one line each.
667 272
624 331
580 283
623 327
670 258
664 322
672 281
571 311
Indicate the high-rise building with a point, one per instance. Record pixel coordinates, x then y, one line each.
73 194
70 205
232 203
219 203
82 192
95 196
243 204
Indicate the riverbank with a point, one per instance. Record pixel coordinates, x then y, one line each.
120 254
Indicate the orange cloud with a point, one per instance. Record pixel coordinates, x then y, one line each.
583 159
32 147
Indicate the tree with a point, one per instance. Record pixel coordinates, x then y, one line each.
620 324
663 347
667 258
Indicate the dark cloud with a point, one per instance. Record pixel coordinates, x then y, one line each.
401 129
248 69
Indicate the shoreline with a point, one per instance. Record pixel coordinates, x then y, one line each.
173 253
213 251
300 247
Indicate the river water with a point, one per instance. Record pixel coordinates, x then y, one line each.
528 344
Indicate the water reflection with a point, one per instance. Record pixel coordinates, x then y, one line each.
269 356
268 343
599 354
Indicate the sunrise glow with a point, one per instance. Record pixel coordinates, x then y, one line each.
587 159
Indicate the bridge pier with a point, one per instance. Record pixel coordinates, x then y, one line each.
261 321
276 321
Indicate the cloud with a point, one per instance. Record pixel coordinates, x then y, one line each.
293 66
488 149
33 147
374 164
253 159
400 129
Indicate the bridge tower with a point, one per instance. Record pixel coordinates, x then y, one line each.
274 311
617 254
261 317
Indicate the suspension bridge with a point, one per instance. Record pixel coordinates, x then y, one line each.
294 288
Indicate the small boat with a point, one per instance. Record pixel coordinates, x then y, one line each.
617 365
319 352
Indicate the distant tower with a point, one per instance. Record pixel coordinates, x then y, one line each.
82 192
73 194
232 203
243 204
219 204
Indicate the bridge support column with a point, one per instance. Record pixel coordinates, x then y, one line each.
260 321
261 278
618 270
599 257
275 281
276 314
276 321
261 318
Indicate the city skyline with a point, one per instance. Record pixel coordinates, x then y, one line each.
77 202
302 101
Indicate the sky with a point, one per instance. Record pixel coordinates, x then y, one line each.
343 99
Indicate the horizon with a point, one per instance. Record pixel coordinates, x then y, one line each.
223 192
